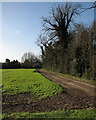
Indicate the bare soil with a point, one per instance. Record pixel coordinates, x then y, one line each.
75 95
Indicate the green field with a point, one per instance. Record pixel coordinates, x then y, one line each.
27 81
22 81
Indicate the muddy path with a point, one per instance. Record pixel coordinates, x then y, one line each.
77 89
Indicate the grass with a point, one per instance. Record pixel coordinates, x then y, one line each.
80 79
93 82
27 81
64 115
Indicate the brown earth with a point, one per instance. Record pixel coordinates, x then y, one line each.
76 95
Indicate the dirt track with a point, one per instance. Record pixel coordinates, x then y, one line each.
74 88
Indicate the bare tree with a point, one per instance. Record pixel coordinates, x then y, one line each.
28 57
58 23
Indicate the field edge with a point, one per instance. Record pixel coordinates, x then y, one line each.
66 114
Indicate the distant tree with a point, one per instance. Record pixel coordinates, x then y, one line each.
37 63
29 60
14 61
28 57
7 60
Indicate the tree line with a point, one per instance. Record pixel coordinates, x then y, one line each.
28 60
68 47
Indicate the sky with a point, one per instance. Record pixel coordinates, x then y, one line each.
21 25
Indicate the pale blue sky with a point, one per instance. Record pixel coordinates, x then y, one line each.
21 24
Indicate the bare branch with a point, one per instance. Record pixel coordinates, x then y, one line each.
48 21
53 13
84 9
